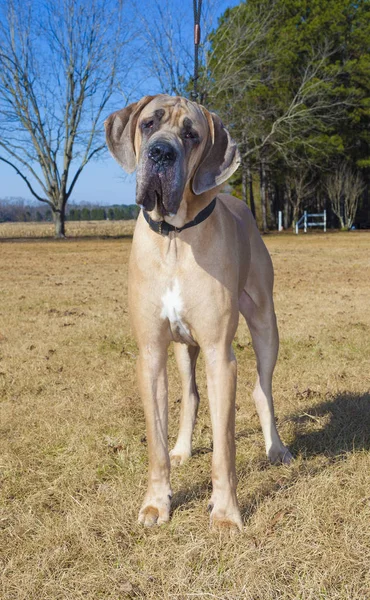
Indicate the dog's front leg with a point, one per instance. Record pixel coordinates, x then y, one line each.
221 383
152 376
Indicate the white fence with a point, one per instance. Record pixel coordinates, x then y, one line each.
305 221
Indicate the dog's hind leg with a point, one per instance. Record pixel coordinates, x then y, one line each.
256 306
186 358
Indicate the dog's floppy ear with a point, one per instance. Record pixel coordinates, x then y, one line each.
220 159
120 133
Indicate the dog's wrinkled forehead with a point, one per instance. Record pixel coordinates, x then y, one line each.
175 113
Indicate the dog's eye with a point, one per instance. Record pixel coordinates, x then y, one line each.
147 124
190 135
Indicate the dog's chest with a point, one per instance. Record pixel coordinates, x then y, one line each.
173 311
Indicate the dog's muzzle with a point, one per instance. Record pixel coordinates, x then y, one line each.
162 154
161 177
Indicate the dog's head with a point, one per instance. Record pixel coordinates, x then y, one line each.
179 148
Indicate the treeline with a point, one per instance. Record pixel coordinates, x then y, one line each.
19 210
117 212
291 81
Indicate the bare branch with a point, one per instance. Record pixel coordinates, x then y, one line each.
82 165
26 181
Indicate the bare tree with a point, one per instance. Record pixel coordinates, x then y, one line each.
333 185
237 55
344 188
167 49
353 188
300 185
161 36
58 70
276 123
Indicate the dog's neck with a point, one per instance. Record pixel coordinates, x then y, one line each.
164 228
191 205
195 204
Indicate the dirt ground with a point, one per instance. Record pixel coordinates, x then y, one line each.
73 448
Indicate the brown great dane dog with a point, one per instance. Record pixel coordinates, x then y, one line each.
188 285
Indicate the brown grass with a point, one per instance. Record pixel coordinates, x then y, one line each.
73 451
73 229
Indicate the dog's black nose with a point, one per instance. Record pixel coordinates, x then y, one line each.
161 153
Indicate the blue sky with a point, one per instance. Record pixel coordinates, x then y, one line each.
103 181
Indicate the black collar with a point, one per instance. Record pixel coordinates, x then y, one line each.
164 228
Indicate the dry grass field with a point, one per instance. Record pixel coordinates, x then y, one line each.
73 449
74 229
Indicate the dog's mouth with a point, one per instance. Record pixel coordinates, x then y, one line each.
160 207
154 201
159 192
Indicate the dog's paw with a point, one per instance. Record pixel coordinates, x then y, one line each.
280 455
225 519
155 510
179 456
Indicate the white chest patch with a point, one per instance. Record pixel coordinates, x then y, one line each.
172 302
172 307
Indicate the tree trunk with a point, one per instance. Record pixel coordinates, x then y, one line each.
295 214
342 215
286 219
59 222
251 195
337 210
263 195
271 198
351 211
244 183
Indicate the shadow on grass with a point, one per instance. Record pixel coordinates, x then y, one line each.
195 493
346 428
342 426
